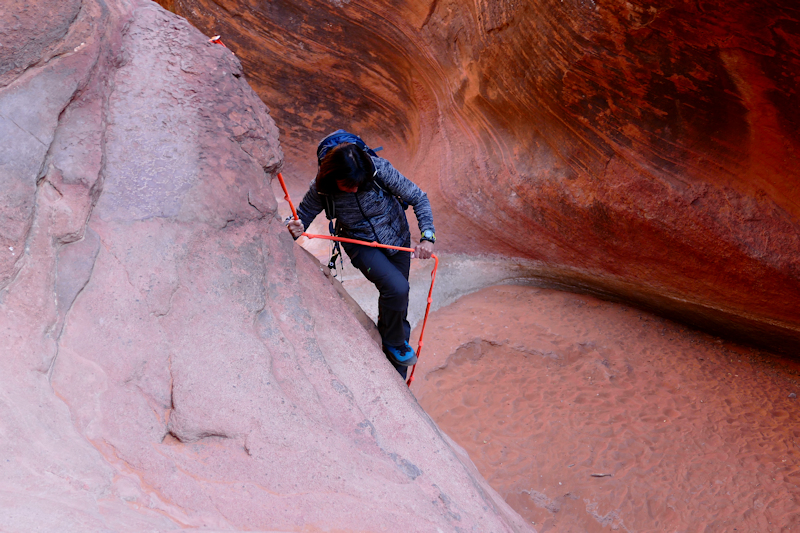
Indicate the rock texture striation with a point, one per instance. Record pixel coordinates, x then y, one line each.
644 151
170 358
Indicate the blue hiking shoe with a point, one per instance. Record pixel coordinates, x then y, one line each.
400 355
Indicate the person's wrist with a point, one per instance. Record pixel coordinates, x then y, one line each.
428 236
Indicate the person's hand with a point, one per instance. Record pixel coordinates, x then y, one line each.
423 250
295 228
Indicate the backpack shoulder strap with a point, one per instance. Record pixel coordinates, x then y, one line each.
328 205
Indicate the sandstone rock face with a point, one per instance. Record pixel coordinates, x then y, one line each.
170 358
644 151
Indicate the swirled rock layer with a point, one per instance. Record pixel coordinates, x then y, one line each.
638 150
170 359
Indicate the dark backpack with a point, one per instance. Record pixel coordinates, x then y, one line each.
339 137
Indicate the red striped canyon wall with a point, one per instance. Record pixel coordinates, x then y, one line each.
638 150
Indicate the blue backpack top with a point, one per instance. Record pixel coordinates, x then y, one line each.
339 137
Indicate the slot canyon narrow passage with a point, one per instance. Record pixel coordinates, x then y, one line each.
614 341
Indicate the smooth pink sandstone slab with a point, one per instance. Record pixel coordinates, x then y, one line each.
170 359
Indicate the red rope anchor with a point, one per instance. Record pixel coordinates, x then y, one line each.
216 40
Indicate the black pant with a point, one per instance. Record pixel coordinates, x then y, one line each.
389 273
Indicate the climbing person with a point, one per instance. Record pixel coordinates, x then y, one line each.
367 197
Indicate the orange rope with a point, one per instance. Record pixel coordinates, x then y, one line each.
374 244
286 192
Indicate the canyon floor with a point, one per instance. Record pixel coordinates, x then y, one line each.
592 416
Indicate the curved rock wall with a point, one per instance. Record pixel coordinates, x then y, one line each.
642 151
170 358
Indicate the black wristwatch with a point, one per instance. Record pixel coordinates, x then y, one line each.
428 235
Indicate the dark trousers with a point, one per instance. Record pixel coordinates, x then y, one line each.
389 273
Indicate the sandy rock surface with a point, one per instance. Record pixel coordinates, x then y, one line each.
591 416
644 150
170 359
